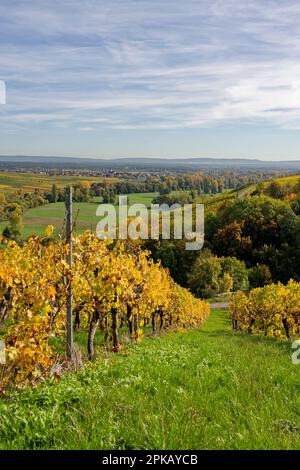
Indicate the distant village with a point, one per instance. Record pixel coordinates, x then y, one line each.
140 175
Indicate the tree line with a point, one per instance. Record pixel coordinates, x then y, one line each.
256 238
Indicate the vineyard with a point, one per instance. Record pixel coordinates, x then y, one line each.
204 388
273 310
116 288
29 182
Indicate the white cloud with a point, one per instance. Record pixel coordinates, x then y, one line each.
150 64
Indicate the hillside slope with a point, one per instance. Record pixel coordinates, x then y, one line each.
208 388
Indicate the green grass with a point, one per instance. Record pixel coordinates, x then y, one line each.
36 220
142 198
207 388
225 298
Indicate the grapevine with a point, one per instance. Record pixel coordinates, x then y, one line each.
273 310
116 289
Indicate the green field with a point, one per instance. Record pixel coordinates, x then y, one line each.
207 388
35 220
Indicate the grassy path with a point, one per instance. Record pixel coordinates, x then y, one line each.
203 389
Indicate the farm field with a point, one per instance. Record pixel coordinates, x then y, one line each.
207 388
35 220
288 179
12 181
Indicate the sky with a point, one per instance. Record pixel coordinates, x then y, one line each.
151 78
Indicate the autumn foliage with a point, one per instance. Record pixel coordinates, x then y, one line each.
273 310
116 288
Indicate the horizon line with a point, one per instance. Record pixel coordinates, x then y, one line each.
250 159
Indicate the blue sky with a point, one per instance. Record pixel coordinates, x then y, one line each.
169 78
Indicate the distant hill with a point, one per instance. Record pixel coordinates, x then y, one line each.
183 164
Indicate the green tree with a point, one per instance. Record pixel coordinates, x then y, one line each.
274 190
260 276
238 271
296 205
14 217
164 189
54 193
226 283
108 197
297 186
261 187
205 273
230 240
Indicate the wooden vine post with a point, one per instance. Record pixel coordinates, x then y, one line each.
69 230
